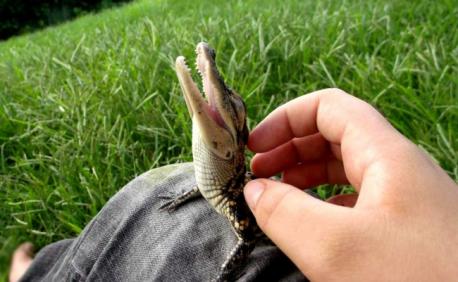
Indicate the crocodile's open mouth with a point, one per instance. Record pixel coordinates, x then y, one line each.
213 86
220 119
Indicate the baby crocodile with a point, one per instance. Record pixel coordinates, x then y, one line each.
219 135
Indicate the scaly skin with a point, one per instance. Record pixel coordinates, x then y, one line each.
218 145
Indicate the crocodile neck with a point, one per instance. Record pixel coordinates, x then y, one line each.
217 178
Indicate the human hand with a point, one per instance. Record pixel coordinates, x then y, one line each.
404 223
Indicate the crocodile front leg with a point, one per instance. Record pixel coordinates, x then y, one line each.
173 204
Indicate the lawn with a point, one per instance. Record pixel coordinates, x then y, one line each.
88 105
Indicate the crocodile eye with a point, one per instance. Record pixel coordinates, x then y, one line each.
228 154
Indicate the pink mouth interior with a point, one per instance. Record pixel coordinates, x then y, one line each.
209 93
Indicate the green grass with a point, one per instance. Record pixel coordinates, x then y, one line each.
88 105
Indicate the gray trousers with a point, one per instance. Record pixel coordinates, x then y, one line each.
132 240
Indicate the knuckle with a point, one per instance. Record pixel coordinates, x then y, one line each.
333 252
331 93
332 248
399 149
346 247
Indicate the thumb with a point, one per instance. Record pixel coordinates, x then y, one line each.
295 221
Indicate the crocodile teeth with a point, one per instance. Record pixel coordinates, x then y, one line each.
186 64
199 71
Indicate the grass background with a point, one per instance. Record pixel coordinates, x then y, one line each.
88 105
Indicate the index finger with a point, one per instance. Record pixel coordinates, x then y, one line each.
341 119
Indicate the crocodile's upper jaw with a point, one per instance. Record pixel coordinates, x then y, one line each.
221 119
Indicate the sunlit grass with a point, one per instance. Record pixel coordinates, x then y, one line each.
87 106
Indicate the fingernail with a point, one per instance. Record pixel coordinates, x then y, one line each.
253 191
